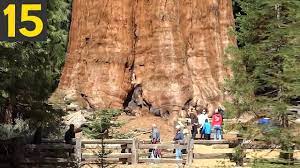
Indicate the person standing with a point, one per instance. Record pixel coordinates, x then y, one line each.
201 119
70 134
155 134
206 130
155 138
37 137
194 123
217 120
178 139
221 111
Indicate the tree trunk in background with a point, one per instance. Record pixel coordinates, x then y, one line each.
174 49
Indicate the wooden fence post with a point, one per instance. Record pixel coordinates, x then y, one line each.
190 144
134 150
78 151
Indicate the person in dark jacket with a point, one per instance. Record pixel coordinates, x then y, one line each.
178 139
37 138
221 111
194 122
70 134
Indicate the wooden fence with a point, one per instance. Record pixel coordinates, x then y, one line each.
97 151
92 151
14 153
131 151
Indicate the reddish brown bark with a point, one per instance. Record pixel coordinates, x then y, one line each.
174 49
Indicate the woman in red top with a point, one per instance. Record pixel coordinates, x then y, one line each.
217 120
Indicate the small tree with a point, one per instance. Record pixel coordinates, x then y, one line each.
100 121
17 130
98 127
239 155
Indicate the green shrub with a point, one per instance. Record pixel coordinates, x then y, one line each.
239 155
100 121
119 135
272 165
19 129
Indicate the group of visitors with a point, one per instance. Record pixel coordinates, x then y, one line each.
198 122
201 122
155 138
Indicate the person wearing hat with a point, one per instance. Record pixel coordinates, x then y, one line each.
178 139
201 119
217 120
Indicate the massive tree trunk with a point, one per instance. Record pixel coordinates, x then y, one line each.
174 50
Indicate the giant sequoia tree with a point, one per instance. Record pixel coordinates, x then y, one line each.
29 71
266 64
172 50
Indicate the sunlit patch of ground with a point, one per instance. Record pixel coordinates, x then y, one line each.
144 123
131 123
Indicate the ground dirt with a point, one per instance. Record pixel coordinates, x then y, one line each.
141 126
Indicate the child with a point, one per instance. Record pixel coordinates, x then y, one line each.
206 129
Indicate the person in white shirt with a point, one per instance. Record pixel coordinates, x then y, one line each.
201 119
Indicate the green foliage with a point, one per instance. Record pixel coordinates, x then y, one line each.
29 71
119 135
10 131
265 66
261 164
239 155
101 121
98 126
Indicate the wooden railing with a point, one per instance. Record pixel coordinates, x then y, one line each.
112 150
96 151
53 153
90 151
132 151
